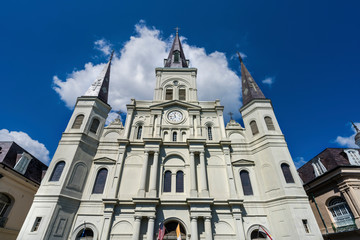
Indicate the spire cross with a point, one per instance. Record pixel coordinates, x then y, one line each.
177 29
231 114
119 114
240 58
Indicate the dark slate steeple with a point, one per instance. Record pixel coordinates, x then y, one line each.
100 88
176 58
250 90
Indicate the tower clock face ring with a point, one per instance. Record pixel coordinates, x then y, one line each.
175 116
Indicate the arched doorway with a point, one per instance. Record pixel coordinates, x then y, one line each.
170 230
258 232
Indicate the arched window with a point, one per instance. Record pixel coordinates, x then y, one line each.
167 181
169 94
254 128
245 182
269 123
56 174
182 94
139 132
174 136
340 212
287 173
179 181
209 130
5 203
257 235
100 181
78 121
85 233
94 125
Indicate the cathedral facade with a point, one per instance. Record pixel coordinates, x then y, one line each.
173 162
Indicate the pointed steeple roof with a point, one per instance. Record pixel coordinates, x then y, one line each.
357 135
250 90
176 58
100 88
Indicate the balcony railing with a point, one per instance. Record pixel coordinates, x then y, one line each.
349 226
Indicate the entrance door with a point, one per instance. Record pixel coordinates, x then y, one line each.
170 230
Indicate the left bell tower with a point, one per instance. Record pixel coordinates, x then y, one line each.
58 198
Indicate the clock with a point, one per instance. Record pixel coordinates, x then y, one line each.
175 116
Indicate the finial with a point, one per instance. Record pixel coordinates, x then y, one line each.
119 114
177 30
240 57
231 114
356 128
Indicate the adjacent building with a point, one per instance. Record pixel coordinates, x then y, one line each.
332 182
20 177
174 161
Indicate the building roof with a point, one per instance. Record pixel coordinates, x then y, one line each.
10 154
250 89
330 158
176 47
100 88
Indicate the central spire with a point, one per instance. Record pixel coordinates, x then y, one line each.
176 58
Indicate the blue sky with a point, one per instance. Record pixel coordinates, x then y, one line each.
303 54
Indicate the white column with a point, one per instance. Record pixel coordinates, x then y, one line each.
150 229
194 228
141 192
239 226
137 226
203 179
198 125
208 230
153 175
193 192
229 172
158 123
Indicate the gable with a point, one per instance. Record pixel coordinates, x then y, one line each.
175 103
243 162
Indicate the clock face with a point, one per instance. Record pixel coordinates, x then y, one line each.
175 116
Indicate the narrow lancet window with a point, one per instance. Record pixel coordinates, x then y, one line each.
169 94
138 135
254 128
174 136
246 183
210 136
100 181
167 181
179 181
56 174
287 173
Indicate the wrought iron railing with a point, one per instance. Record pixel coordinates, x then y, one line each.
344 228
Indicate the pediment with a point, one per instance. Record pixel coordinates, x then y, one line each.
104 160
175 103
243 162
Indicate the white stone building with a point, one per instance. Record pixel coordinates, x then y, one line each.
173 161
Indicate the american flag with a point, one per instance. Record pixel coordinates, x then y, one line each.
161 231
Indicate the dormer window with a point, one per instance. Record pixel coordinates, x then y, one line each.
23 163
353 156
176 56
319 168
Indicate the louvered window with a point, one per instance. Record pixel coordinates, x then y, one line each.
254 128
169 94
56 174
100 181
94 125
287 173
182 94
167 181
246 183
179 181
174 136
176 56
269 123
78 121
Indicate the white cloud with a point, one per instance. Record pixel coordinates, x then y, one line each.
103 46
133 75
269 81
25 141
299 161
347 141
